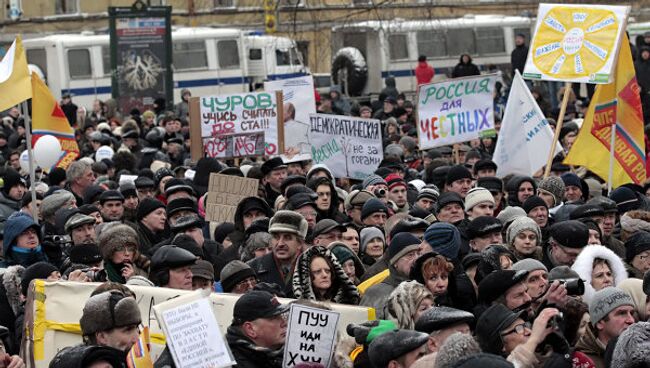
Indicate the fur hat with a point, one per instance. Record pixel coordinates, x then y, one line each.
109 310
12 282
584 265
633 347
403 303
288 222
115 236
456 347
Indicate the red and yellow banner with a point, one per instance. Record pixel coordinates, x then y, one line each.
48 118
614 105
139 356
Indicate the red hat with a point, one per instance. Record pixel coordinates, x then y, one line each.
394 180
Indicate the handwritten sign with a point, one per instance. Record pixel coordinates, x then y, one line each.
350 147
238 114
311 336
576 43
238 145
192 332
455 111
224 194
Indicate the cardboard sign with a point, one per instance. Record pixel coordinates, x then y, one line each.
239 145
311 336
224 194
192 332
53 310
576 43
351 147
455 111
246 113
298 103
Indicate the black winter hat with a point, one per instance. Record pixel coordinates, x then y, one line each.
299 200
570 234
176 185
56 176
371 206
187 243
626 199
181 204
223 230
448 198
497 283
490 325
482 226
401 244
457 172
171 256
85 254
234 272
637 243
92 193
491 183
484 165
38 270
408 225
11 179
187 222
257 304
533 202
128 190
394 344
586 211
144 182
608 205
291 180
147 206
162 173
110 195
442 317
275 163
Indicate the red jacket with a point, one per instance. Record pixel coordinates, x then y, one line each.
424 73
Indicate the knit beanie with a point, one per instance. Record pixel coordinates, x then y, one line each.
147 206
372 180
571 179
519 225
234 272
394 180
637 243
408 142
448 198
342 253
626 200
39 270
11 179
533 202
371 206
56 176
457 172
55 201
478 195
509 214
530 265
366 235
401 244
430 193
443 238
403 303
554 186
605 301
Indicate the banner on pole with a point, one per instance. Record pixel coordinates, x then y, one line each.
525 136
350 147
455 111
576 43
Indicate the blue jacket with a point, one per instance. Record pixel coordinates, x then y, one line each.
15 225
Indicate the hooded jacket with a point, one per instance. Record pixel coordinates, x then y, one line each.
465 69
359 268
583 265
512 187
518 58
642 68
342 289
14 226
333 212
592 347
7 206
390 89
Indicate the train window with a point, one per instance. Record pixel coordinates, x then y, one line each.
38 58
432 43
190 55
255 54
106 60
490 41
398 47
228 53
79 64
461 41
283 57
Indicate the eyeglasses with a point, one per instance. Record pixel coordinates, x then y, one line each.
520 329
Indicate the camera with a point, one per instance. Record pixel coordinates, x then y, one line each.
574 287
96 275
380 192
556 322
60 240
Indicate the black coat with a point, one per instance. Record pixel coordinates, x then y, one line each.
518 58
267 271
643 74
465 69
249 356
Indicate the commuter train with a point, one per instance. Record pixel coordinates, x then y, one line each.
205 60
366 53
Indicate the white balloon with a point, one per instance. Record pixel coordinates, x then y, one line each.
24 161
47 151
104 152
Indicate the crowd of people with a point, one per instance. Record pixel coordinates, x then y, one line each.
463 268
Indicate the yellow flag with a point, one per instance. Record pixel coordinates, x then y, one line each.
48 118
15 86
614 105
139 356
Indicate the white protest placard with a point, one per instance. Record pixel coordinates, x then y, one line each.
525 136
245 114
351 147
455 111
576 43
192 332
311 336
299 102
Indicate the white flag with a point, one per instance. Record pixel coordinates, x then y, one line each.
525 137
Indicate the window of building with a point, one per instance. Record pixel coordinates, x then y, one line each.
398 47
255 54
189 55
361 2
228 54
490 41
224 3
106 60
432 43
290 3
461 41
79 66
66 6
38 57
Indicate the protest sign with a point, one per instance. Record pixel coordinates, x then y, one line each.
224 194
192 332
237 114
351 147
311 336
53 310
298 103
455 111
525 137
238 145
576 43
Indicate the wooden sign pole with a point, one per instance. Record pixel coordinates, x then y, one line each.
558 128
280 105
196 141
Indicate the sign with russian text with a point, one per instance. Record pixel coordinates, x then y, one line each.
311 336
455 111
576 43
239 114
351 147
238 145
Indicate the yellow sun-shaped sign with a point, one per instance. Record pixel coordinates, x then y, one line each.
574 43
